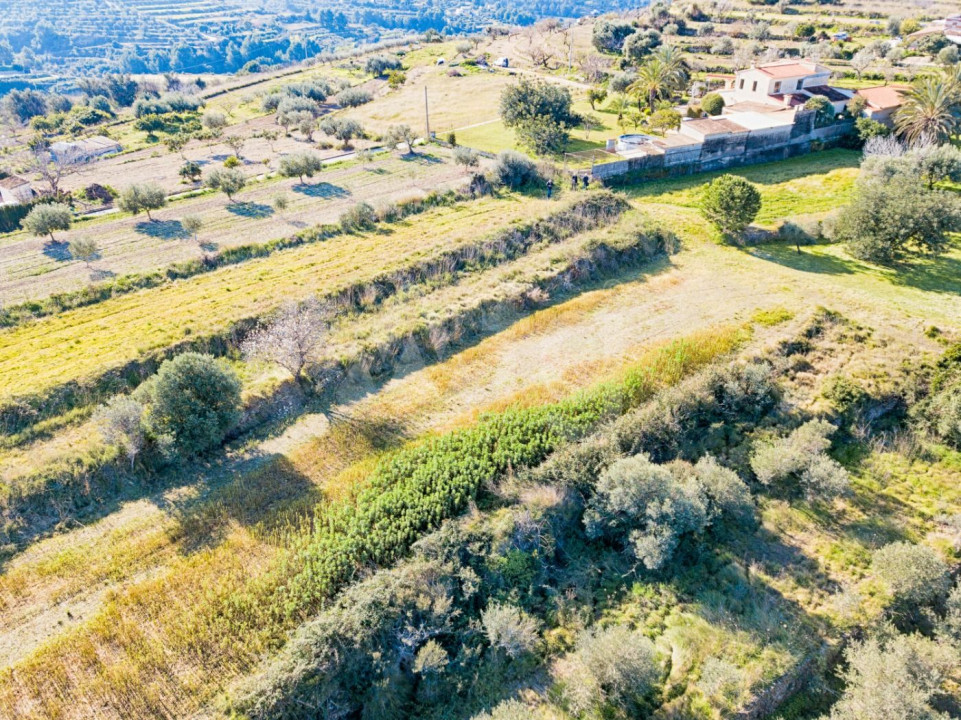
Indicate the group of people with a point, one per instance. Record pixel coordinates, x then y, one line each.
585 180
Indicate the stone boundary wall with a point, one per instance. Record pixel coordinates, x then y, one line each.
733 150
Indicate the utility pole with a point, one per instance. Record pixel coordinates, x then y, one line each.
427 113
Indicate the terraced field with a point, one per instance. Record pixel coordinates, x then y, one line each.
34 267
76 344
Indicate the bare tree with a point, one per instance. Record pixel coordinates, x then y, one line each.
52 167
862 61
292 339
593 66
236 143
121 422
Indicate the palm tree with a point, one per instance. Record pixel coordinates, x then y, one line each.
662 74
931 112
678 73
652 81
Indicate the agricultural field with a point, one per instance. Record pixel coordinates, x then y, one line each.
407 427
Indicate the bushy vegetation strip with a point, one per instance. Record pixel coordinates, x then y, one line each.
593 211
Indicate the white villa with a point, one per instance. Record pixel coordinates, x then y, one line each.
15 190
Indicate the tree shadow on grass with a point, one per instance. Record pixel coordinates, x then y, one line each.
934 274
421 158
57 250
321 190
804 261
209 246
252 210
376 170
163 229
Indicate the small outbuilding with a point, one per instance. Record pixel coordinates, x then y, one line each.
85 150
14 190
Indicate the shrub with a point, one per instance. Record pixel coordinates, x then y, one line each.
895 677
466 157
647 508
121 422
712 103
192 403
353 97
360 217
611 666
914 574
800 460
621 81
867 128
824 110
515 170
378 65
510 629
720 680
731 203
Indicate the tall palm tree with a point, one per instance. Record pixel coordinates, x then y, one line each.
931 112
653 78
678 71
662 74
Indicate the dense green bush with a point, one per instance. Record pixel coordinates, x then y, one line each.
800 461
515 170
712 103
192 403
731 203
358 218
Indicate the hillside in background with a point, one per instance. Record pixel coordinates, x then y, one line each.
70 37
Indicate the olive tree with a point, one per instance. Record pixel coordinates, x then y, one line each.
121 423
142 197
302 164
85 250
400 134
192 224
44 219
731 203
228 181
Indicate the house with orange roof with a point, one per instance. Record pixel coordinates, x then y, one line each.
882 102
